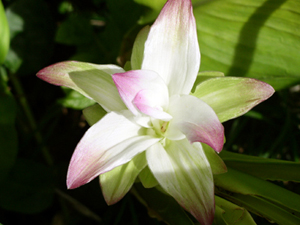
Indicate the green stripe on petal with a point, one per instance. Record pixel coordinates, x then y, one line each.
184 172
231 97
117 182
93 81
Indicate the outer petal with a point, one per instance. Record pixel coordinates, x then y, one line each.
117 182
93 81
184 172
196 120
172 48
231 97
143 89
111 142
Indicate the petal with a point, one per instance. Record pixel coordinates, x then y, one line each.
117 182
111 142
184 172
231 97
196 120
172 48
93 81
131 83
216 163
93 114
137 55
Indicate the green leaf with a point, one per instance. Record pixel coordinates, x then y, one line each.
258 39
231 97
228 213
76 30
8 133
117 182
75 100
93 114
216 163
28 188
269 169
242 183
32 32
4 34
147 178
162 206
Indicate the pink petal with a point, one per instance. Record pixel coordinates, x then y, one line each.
183 171
142 89
111 142
172 48
196 120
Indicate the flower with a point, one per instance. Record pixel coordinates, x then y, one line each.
154 126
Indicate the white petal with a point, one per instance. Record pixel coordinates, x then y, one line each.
142 89
111 142
196 120
172 48
93 81
184 172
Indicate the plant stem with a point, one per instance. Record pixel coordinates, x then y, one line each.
29 115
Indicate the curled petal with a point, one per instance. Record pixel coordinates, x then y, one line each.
142 89
196 120
172 48
183 171
93 81
111 142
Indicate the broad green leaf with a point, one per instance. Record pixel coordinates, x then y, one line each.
269 169
258 39
4 34
231 97
216 163
242 183
93 114
75 100
32 32
28 188
228 213
8 133
117 182
162 206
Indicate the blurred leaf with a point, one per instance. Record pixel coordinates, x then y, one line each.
8 134
270 169
75 100
228 213
241 183
76 30
162 206
258 39
4 34
32 32
28 188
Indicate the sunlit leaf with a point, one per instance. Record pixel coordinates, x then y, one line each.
258 39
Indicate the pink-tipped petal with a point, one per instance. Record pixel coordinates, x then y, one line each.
145 82
183 171
147 101
111 142
196 120
93 81
172 48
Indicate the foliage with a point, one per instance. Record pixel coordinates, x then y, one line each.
41 124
